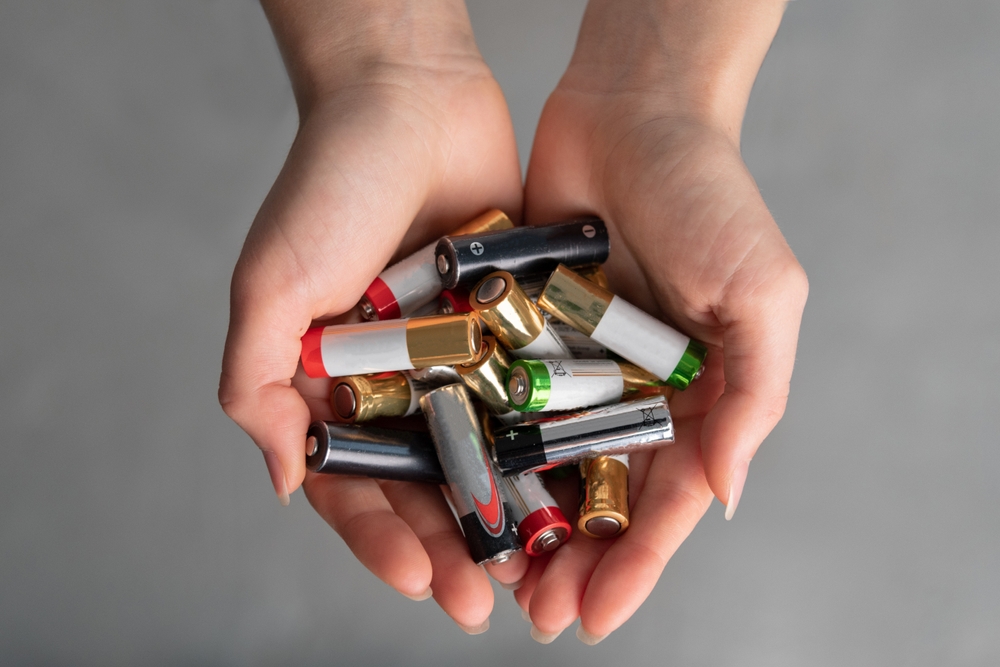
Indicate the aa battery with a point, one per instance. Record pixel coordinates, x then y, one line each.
483 512
580 344
456 301
615 429
541 525
487 376
413 282
623 328
515 320
361 398
544 386
344 449
392 345
604 497
522 251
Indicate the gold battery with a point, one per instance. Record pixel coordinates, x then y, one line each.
491 221
576 301
507 310
361 398
604 499
443 340
639 383
594 274
487 376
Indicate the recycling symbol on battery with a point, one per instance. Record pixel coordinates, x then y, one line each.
476 248
558 370
647 417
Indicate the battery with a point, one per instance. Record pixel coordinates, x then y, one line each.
483 512
487 376
622 328
541 525
457 301
382 453
544 443
544 386
435 376
361 398
413 282
580 344
393 345
604 497
522 251
515 320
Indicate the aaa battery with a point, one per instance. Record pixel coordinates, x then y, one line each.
604 497
623 328
523 251
413 282
615 429
544 386
515 320
392 345
483 512
541 525
346 449
361 398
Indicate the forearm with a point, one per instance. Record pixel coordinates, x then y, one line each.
328 45
689 57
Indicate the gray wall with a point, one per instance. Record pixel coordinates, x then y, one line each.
137 524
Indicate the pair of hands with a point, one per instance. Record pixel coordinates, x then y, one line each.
407 146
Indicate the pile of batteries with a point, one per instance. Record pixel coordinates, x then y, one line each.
493 314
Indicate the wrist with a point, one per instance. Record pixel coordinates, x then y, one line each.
329 46
696 61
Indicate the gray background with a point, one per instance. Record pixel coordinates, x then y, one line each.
137 524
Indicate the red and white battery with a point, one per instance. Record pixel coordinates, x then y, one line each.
541 525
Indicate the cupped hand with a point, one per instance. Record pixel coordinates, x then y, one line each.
694 244
400 154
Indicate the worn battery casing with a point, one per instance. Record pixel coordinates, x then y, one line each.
604 510
392 345
541 525
346 449
622 328
549 385
413 282
514 320
479 502
522 251
566 438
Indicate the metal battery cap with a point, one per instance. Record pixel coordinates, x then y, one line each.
528 385
690 367
491 290
344 401
603 526
550 539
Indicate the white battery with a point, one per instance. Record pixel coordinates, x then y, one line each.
370 347
547 345
640 338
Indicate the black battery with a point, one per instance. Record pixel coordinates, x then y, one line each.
382 453
522 251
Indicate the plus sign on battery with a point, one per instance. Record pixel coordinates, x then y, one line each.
476 248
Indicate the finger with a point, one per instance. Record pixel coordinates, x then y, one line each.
761 317
510 572
459 585
673 500
536 567
358 510
555 602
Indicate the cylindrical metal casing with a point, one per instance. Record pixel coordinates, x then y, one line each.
523 251
413 282
541 525
615 429
604 497
455 301
515 320
545 386
472 476
487 376
392 345
361 398
623 328
435 376
382 453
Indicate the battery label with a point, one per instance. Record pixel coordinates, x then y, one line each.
580 344
417 389
582 382
413 281
641 338
370 347
547 345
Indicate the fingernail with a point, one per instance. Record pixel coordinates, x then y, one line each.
736 483
525 615
277 473
422 596
588 638
477 630
543 637
513 586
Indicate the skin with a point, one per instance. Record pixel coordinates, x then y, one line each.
404 135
